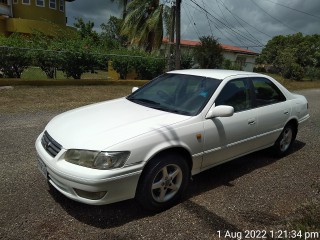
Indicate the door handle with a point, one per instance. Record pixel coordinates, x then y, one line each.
251 121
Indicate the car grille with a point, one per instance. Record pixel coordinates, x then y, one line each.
50 145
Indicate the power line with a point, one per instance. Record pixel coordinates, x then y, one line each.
222 23
235 15
215 27
240 24
226 19
191 22
208 19
256 41
293 9
278 20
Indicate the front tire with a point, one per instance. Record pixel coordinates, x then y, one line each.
284 143
163 182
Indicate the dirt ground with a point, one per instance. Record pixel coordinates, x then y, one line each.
256 192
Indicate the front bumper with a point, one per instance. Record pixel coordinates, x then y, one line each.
77 183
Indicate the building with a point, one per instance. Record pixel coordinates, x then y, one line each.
27 16
243 58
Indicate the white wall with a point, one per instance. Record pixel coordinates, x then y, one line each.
249 59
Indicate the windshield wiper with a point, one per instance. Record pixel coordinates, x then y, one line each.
143 100
158 106
166 109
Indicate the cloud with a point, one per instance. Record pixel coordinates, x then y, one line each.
97 11
236 22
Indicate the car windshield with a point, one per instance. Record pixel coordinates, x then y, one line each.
176 93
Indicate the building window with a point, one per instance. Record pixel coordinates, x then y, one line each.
40 3
61 6
53 4
241 62
27 2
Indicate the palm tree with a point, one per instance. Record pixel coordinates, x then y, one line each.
143 24
123 4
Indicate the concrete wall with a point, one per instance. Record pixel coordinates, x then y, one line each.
29 26
249 60
33 12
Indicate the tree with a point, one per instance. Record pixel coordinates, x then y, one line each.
78 56
143 24
85 29
45 53
293 55
123 4
110 36
14 55
209 53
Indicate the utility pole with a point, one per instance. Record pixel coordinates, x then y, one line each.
178 34
171 39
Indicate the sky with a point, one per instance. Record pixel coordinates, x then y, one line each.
245 23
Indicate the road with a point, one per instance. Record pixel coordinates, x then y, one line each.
256 192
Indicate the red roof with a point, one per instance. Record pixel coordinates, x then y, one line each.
192 43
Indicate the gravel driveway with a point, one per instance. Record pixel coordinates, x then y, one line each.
255 192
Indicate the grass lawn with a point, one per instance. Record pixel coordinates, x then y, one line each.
32 99
296 85
36 98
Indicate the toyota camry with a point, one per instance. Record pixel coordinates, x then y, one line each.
148 145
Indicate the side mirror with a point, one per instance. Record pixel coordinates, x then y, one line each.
220 111
134 89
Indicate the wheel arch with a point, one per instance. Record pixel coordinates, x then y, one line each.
172 150
294 123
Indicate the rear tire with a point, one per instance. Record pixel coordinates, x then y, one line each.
163 182
285 141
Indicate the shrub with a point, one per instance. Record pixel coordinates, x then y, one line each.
186 61
149 66
79 57
313 73
297 72
292 71
259 69
48 61
74 64
146 65
14 56
227 64
122 62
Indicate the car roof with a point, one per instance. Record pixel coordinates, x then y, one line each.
213 73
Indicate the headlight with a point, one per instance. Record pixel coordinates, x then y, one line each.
97 160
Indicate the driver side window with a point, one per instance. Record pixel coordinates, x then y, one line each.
235 93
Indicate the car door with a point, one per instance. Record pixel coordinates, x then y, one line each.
229 137
272 110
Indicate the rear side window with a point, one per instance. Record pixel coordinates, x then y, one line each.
266 92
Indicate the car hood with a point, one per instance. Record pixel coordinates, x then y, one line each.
102 125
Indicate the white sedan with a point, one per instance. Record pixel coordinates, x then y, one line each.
149 144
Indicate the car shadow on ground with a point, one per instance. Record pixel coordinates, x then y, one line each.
225 174
118 214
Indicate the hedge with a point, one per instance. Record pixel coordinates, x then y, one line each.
70 82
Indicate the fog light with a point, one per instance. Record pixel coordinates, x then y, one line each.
90 195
